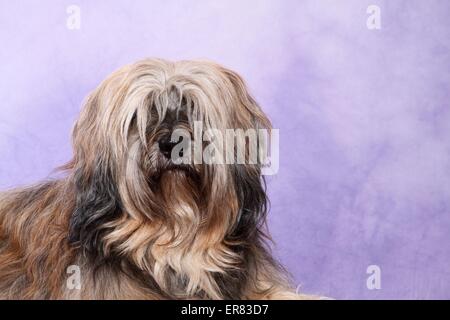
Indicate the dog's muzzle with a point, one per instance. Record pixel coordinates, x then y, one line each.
166 146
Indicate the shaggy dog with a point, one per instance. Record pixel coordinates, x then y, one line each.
135 224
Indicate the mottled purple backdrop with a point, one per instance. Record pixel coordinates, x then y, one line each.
363 115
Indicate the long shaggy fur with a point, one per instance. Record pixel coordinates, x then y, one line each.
136 227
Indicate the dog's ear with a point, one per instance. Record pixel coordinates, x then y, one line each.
97 198
250 190
97 204
249 185
248 113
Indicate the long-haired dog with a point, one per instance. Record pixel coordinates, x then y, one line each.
137 225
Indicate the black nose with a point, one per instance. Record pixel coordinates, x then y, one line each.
166 146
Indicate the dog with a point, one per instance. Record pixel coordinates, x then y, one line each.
134 224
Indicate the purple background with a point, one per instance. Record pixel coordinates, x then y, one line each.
363 115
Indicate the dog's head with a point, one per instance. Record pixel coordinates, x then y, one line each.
142 176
